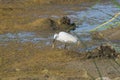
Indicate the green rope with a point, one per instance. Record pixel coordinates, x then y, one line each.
106 22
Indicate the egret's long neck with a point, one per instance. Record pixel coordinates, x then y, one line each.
55 36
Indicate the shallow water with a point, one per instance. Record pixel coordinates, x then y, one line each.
95 16
23 37
86 20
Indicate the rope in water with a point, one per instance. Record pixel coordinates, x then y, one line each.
116 15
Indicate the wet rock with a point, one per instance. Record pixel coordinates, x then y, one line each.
66 24
64 20
44 24
103 78
105 50
49 25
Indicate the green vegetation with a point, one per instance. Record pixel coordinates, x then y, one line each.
116 3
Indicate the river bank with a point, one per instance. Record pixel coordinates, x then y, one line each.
26 35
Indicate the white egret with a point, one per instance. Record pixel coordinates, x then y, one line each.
66 38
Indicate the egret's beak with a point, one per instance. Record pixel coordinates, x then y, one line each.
53 43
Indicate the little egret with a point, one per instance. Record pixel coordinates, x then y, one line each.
66 38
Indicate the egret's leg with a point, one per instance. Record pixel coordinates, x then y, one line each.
65 45
53 43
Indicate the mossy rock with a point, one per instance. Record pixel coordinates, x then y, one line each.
42 24
49 25
66 24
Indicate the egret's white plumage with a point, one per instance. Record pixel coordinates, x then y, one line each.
65 37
